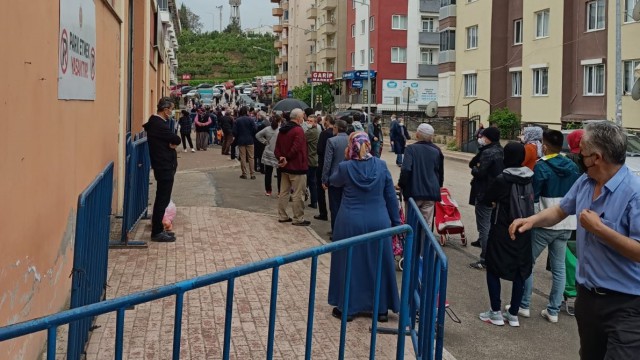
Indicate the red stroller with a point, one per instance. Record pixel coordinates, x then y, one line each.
448 218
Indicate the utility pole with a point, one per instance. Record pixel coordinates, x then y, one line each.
220 10
272 75
619 62
368 54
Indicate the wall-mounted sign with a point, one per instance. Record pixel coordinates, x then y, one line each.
356 84
77 50
322 76
416 92
186 76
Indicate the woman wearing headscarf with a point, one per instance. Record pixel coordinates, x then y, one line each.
532 140
368 204
506 258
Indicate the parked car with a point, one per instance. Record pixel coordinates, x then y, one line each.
246 100
633 150
363 116
241 86
204 86
185 90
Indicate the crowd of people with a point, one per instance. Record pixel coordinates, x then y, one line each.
583 207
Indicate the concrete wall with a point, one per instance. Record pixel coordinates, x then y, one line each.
54 150
298 44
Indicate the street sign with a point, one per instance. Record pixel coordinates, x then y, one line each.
186 76
356 84
362 74
322 76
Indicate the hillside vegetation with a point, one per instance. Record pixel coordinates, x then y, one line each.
220 56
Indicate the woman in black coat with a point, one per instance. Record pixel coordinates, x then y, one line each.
185 130
506 258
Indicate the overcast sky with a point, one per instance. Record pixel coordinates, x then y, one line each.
253 13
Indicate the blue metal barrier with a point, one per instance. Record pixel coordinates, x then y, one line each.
429 288
52 322
90 255
136 189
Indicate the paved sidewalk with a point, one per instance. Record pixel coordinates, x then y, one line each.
212 239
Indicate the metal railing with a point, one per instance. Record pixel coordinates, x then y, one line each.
90 255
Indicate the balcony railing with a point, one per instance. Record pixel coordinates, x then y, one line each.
432 6
447 11
285 41
312 35
427 70
312 12
447 56
277 44
277 11
311 58
429 38
277 28
328 4
327 53
327 28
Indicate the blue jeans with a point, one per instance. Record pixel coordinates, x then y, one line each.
376 148
556 240
483 224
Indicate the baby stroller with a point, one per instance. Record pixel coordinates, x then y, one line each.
398 240
448 218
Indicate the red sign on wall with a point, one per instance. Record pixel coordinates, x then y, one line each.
322 76
186 76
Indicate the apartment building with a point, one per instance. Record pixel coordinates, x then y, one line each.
291 43
326 37
552 62
75 86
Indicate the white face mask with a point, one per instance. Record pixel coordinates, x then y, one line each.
481 142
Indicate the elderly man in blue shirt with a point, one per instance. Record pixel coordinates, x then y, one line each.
607 201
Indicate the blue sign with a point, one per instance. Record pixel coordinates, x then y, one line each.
362 74
348 75
356 84
290 93
392 84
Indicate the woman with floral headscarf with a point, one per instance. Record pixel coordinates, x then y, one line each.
532 140
368 204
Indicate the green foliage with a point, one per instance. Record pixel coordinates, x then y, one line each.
217 57
572 125
507 121
324 91
452 145
189 20
233 28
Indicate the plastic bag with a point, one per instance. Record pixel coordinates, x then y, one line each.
169 215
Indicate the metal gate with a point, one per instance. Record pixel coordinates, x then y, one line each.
90 255
469 142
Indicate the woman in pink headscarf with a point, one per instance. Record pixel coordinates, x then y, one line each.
368 204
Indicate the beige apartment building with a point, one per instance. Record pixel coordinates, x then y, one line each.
551 61
327 36
67 101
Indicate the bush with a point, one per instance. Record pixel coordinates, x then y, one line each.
507 121
452 145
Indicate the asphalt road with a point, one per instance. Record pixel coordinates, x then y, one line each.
467 291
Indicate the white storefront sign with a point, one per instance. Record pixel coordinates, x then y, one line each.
418 92
77 50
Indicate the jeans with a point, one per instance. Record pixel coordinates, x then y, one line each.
376 148
312 185
164 186
483 224
556 240
399 158
493 284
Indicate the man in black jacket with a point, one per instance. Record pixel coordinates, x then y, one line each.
226 124
244 131
164 161
329 123
485 167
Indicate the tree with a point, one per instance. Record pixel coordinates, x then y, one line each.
189 20
323 91
233 27
507 121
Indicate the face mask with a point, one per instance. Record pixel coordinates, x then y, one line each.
481 142
584 165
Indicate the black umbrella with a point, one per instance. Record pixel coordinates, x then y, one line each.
287 105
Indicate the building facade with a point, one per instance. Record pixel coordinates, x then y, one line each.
66 142
326 38
552 62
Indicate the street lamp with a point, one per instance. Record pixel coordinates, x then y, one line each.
272 62
368 54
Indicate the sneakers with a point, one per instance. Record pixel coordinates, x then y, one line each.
302 223
192 150
521 311
492 317
476 243
268 193
551 318
163 237
569 306
185 150
511 319
478 265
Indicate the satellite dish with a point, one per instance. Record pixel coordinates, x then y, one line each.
636 12
432 109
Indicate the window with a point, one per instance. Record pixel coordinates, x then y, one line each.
353 59
517 32
428 56
542 24
594 80
361 57
447 2
541 81
516 84
398 55
353 30
448 40
399 22
362 27
353 4
628 9
595 15
470 85
472 37
428 24
629 78
371 55
371 22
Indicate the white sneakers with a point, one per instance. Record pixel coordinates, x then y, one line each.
551 318
521 311
192 150
527 313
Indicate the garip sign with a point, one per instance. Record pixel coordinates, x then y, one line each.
77 50
322 76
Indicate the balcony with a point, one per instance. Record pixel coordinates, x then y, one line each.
277 11
275 1
311 58
277 61
327 28
312 35
327 53
277 28
284 58
429 38
284 4
327 4
430 6
447 11
285 41
277 44
312 12
282 76
447 56
427 70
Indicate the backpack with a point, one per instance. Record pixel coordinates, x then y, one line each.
521 201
